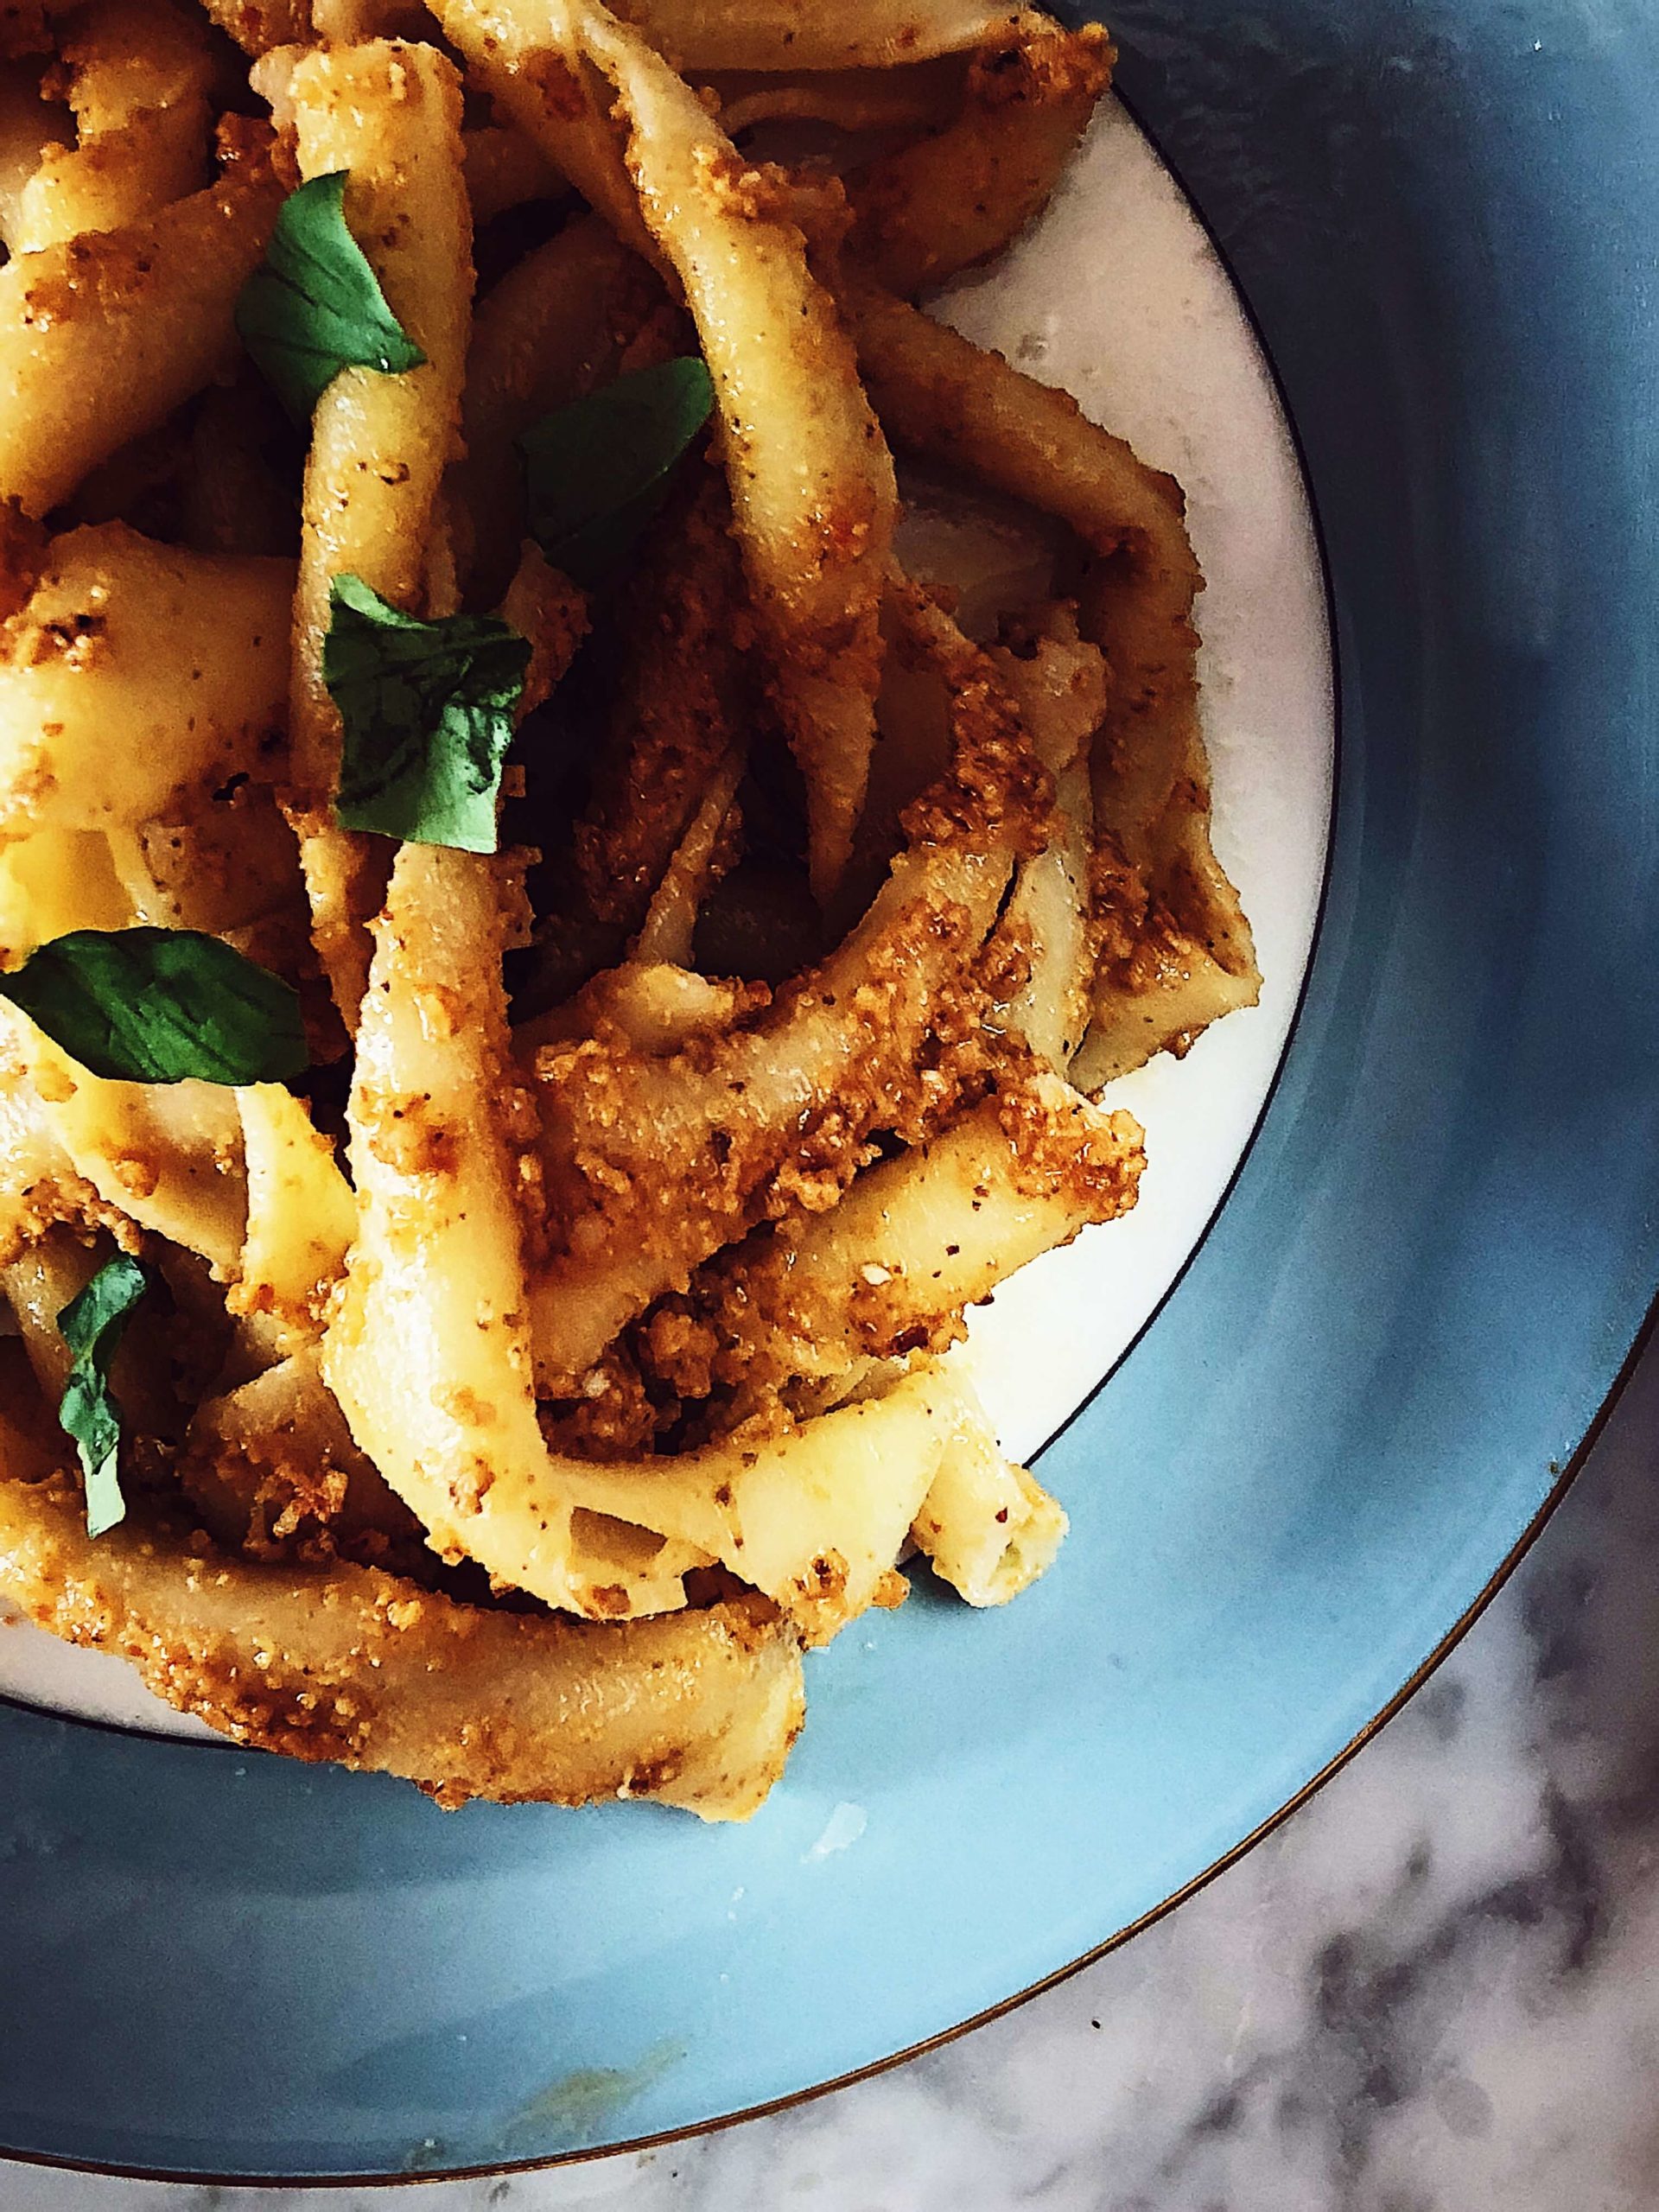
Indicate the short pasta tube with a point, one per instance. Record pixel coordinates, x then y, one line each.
966 191
802 34
139 75
351 1665
389 114
138 677
920 1236
987 1526
1178 951
300 1213
167 1156
102 336
811 480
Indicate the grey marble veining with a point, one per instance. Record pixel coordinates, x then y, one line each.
1435 1990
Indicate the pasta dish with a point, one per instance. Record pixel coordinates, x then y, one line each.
589 798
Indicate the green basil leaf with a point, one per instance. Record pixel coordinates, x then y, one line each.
597 471
427 710
314 307
93 1325
161 1006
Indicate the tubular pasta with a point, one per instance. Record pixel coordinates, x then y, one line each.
549 332
811 481
55 881
987 1526
921 1236
428 1352
38 1284
354 23
390 114
168 1156
299 1216
349 1664
270 1467
814 1516
684 710
922 93
659 1009
503 168
804 34
228 867
28 125
82 658
1178 952
945 397
559 103
1062 690
101 337
962 194
38 1185
666 935
139 75
259 26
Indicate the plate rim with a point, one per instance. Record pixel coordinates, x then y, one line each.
507 2168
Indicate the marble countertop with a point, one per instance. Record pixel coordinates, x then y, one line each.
1436 1989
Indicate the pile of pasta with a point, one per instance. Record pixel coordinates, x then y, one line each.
482 1220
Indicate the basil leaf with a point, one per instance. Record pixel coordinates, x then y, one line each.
427 710
597 471
93 1325
161 1006
314 307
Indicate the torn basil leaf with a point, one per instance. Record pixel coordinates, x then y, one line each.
597 471
426 709
93 1325
314 307
161 1006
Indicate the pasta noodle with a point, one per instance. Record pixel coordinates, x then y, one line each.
168 1159
503 168
682 708
960 194
988 1528
549 954
351 1665
388 114
812 488
1183 953
920 93
548 333
261 26
139 75
300 1216
556 101
55 881
668 934
83 650
920 1237
797 35
102 336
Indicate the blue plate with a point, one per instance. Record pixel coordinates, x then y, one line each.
1342 1425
